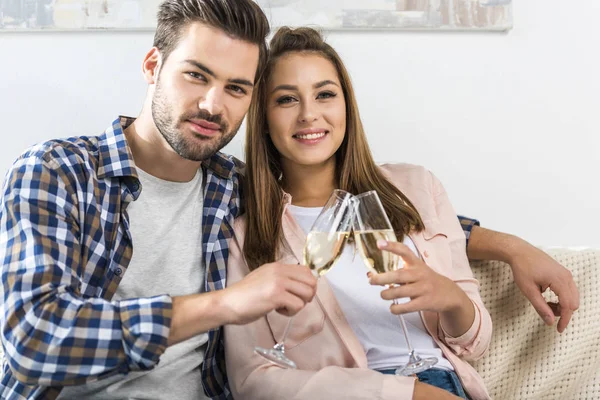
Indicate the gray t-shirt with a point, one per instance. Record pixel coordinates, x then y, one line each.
166 231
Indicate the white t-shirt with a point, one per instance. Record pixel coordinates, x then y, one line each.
166 232
378 330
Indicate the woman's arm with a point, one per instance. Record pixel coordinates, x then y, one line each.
465 328
253 378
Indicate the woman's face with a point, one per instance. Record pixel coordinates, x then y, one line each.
306 110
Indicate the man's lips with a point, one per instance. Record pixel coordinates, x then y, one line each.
204 128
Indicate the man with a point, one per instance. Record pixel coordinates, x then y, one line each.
88 255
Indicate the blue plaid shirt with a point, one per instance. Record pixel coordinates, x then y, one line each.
65 246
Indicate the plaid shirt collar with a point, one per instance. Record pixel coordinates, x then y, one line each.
116 161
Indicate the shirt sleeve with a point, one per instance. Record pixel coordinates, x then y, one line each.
475 342
467 225
52 334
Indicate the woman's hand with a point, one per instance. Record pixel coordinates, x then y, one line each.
428 291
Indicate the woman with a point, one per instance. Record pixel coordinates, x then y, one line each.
305 139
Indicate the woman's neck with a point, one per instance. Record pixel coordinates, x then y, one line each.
309 186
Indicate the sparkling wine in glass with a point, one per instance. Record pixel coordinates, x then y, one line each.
324 244
370 225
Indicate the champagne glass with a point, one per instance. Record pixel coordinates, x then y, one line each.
324 245
370 225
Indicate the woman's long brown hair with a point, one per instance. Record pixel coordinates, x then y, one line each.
356 171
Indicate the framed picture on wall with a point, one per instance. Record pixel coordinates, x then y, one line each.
27 15
392 14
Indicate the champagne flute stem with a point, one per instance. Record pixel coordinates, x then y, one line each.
405 330
281 345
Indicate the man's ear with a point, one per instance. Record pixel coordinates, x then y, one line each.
151 65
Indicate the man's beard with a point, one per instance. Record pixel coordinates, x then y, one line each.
190 149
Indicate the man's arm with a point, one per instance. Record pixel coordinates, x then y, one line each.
54 336
285 288
534 271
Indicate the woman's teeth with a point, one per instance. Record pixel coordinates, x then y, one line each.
310 136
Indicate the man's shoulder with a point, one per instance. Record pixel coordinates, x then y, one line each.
62 153
240 166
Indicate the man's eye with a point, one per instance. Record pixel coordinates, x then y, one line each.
197 75
238 89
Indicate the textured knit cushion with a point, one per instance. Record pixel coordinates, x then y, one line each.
527 359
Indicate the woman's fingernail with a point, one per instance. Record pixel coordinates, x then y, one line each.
382 243
548 319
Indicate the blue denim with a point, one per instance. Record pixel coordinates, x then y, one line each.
441 378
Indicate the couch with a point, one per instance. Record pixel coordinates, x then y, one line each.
529 360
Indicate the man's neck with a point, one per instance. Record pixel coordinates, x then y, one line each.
154 155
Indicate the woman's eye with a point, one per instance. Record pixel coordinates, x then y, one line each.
325 95
285 100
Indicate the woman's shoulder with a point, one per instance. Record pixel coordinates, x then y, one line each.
407 176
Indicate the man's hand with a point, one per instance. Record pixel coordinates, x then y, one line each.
285 288
535 271
424 391
275 286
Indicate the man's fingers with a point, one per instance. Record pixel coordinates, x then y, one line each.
300 273
539 303
565 318
564 313
575 294
568 295
290 305
304 292
555 307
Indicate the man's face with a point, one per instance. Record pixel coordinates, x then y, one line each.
203 91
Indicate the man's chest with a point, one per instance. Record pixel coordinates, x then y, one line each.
115 233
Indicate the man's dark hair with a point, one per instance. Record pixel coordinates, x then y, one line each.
241 19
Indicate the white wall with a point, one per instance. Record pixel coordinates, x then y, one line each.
507 121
